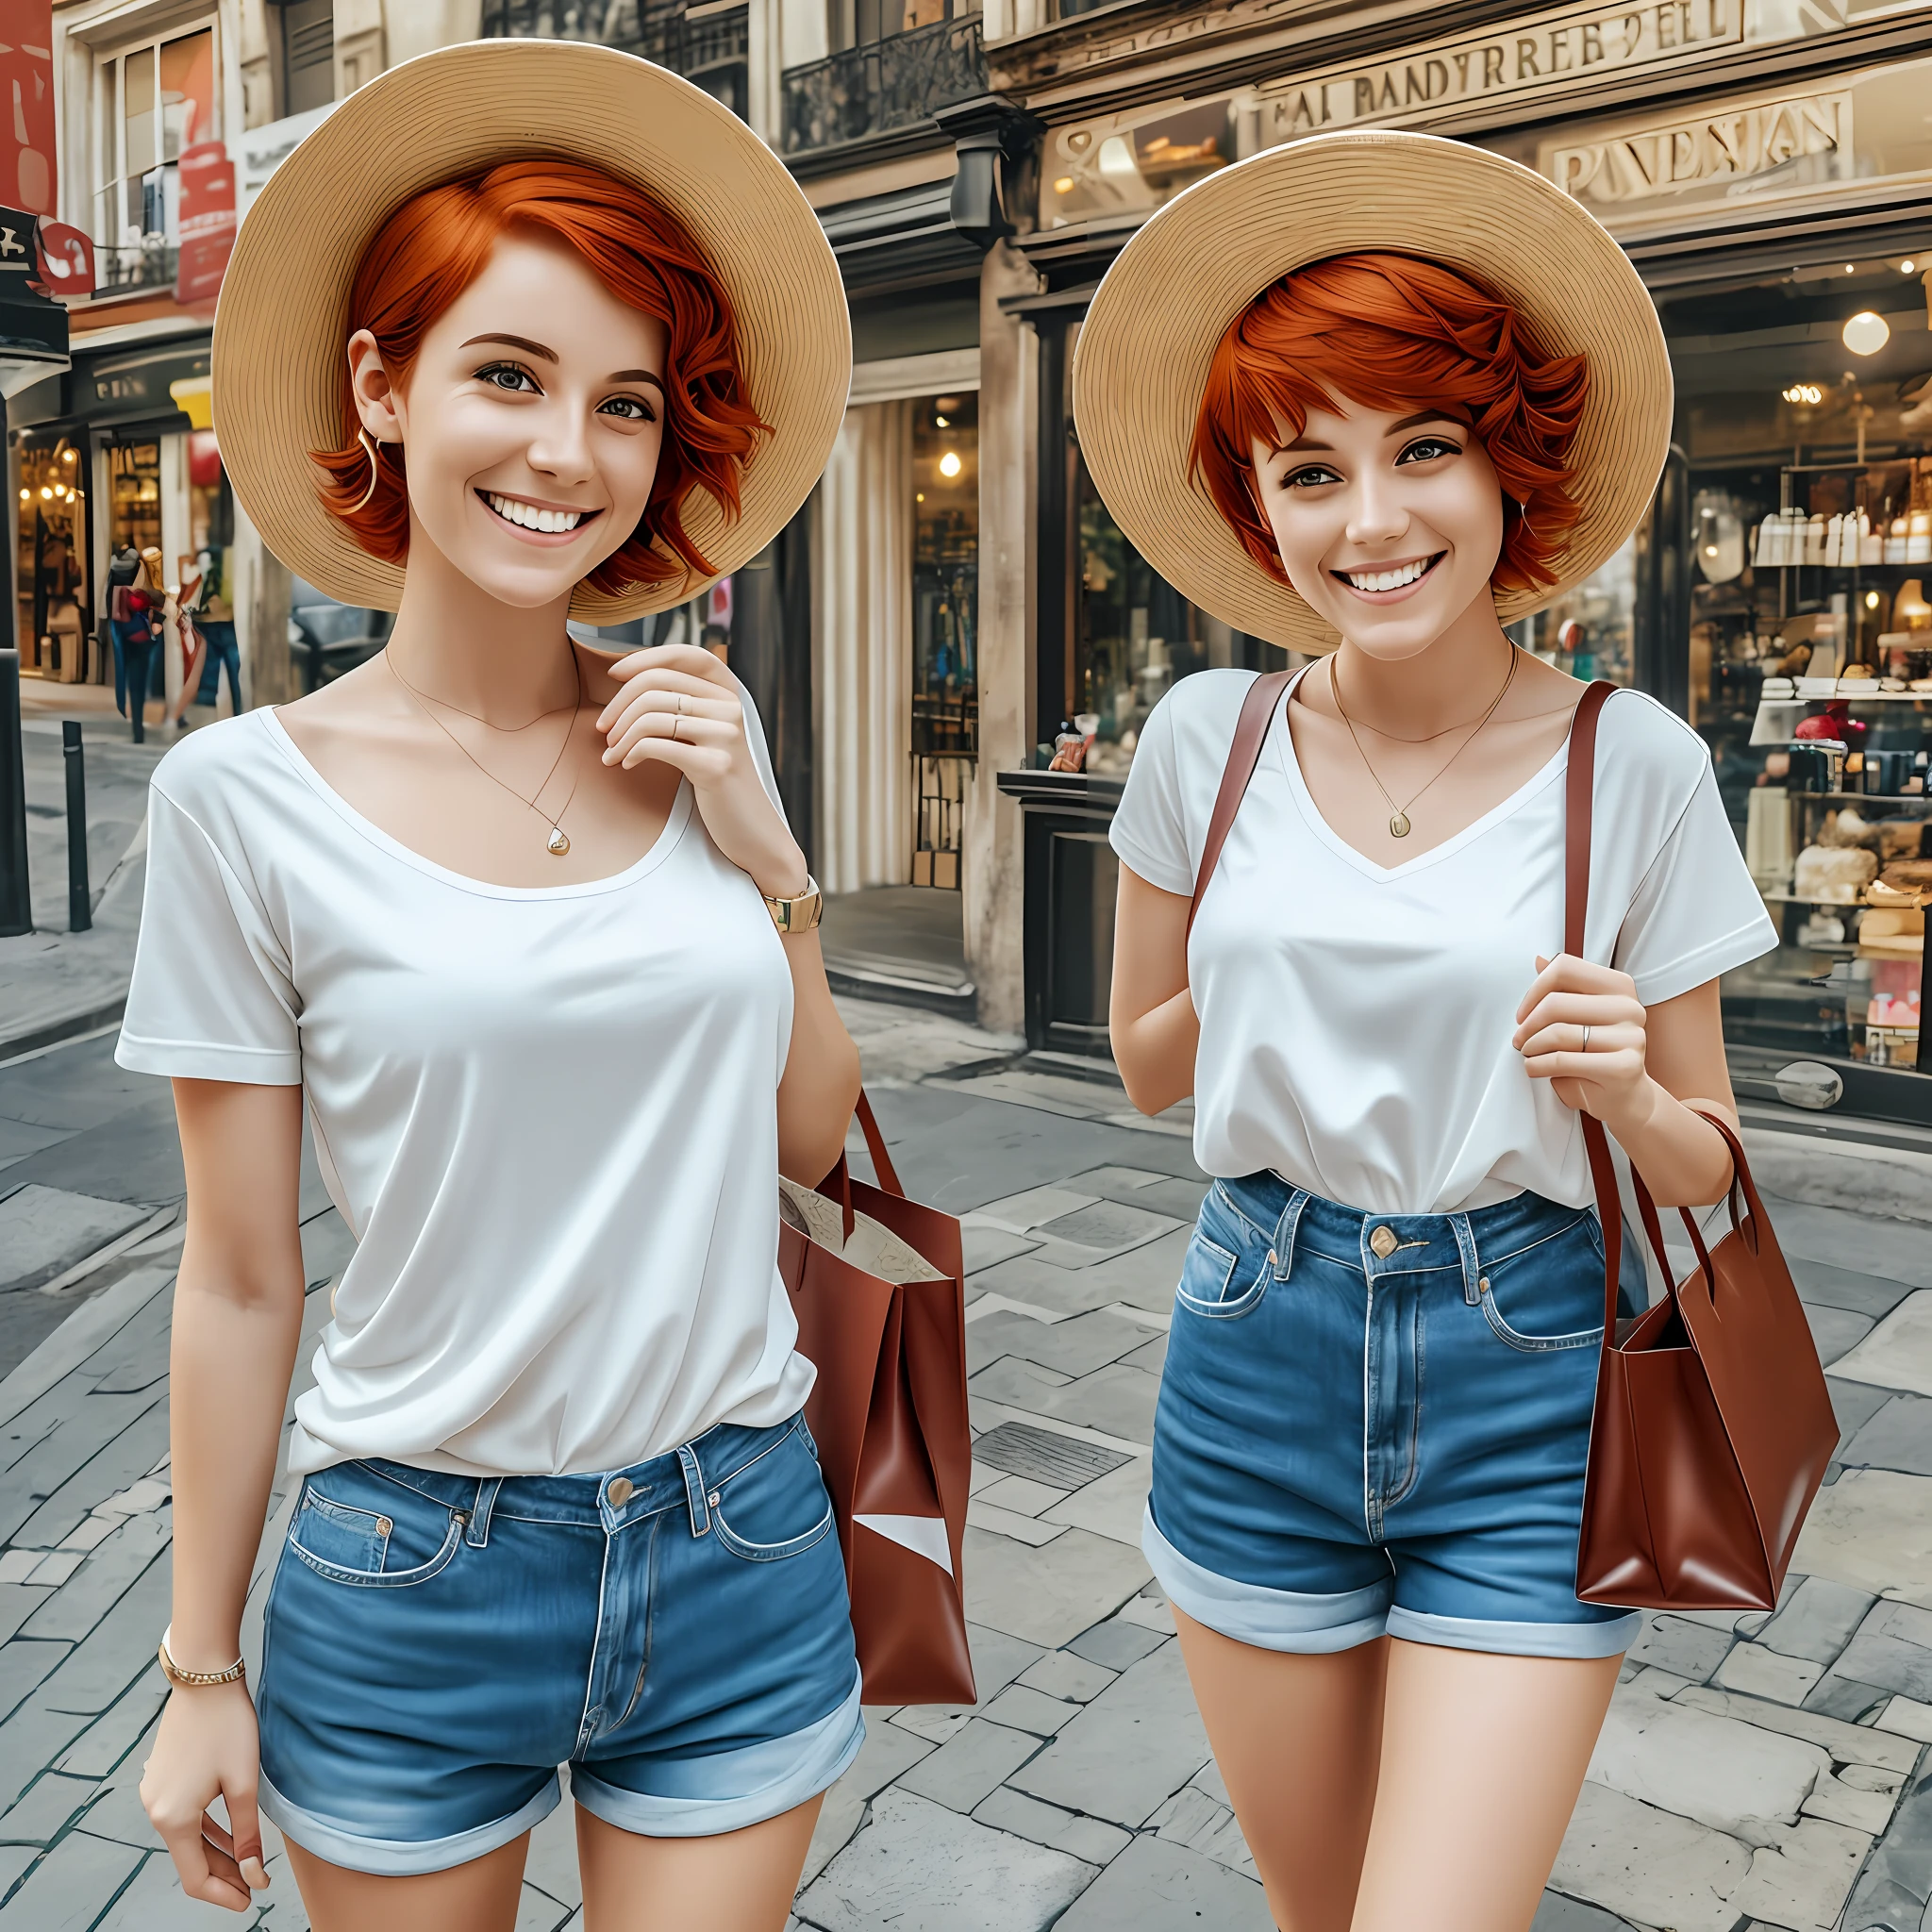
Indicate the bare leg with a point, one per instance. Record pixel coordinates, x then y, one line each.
738 1881
1482 1759
480 1896
1297 1741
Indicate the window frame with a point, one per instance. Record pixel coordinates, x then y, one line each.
106 193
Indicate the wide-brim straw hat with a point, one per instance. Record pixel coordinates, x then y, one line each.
281 327
1141 362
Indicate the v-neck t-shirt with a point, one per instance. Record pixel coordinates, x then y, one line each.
1356 1018
548 1114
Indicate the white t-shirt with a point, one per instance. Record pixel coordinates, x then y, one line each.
1356 1022
548 1114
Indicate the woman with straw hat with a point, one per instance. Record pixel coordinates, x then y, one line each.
524 934
1412 392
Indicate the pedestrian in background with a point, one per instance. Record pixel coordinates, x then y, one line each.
526 931
1415 391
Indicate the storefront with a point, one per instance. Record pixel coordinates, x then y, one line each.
1766 217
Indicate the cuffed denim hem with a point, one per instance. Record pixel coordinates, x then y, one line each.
1600 1637
390 1857
701 1797
1253 1613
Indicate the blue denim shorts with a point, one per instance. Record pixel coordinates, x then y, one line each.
435 1647
1378 1424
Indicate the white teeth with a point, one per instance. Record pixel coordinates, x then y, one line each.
531 518
1387 579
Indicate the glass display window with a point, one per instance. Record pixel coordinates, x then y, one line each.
1806 419
134 496
153 102
50 566
945 628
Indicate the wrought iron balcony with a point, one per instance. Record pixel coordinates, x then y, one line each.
656 29
130 271
893 83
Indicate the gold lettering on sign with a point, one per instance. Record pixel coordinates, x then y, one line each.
1537 54
1732 144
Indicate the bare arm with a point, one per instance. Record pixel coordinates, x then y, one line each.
820 1087
238 1316
1647 1068
1151 1017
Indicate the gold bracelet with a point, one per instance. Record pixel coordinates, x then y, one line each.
194 1680
799 912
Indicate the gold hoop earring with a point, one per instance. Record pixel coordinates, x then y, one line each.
368 444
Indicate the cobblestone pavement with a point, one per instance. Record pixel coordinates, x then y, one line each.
1754 1773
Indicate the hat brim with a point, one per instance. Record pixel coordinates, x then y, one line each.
1141 365
281 324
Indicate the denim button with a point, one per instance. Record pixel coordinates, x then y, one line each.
1384 1242
619 1491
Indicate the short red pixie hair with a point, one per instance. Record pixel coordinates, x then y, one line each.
1396 332
436 245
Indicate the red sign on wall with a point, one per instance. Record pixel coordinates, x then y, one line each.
27 105
208 221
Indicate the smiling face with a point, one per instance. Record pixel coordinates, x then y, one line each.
1389 522
532 420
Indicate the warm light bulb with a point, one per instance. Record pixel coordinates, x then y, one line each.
47 490
919 496
66 455
1905 268
1865 334
26 497
1064 185
949 464
940 423
1871 600
1850 270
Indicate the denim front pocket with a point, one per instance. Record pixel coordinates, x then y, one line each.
1532 1300
388 1535
1222 1282
776 1502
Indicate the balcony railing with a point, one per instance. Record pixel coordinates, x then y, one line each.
656 29
130 271
896 82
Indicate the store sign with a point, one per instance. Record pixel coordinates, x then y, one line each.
1541 55
138 382
1701 150
33 327
26 105
207 222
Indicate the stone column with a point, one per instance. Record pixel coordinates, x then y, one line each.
258 590
992 866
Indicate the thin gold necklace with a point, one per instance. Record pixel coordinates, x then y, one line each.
557 844
1398 814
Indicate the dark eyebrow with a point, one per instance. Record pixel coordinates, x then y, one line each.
1300 442
523 342
640 375
1423 416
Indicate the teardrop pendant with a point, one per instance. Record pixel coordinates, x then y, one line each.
1398 825
557 844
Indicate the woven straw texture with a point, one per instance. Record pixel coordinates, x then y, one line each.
1141 362
281 326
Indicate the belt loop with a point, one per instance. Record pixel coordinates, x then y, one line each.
1472 1267
1285 1230
481 1509
694 1489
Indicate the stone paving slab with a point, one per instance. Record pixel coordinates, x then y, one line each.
1760 1773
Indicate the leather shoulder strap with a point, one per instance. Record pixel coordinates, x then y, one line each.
1579 799
1579 794
1243 754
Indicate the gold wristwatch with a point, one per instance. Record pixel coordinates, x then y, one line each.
798 914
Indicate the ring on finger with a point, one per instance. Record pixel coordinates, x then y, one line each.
1586 1039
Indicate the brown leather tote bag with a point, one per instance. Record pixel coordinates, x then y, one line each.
878 1283
1713 1423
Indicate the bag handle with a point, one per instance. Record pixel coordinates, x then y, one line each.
837 1185
1579 798
1251 730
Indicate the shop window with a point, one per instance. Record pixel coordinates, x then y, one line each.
154 102
945 620
1589 630
858 22
309 55
1805 415
134 496
50 566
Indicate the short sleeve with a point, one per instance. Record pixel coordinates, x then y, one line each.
1150 830
212 997
760 751
1695 913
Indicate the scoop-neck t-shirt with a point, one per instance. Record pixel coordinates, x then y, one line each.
548 1114
1356 1018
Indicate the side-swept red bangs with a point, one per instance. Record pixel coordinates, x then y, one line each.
1396 332
431 249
